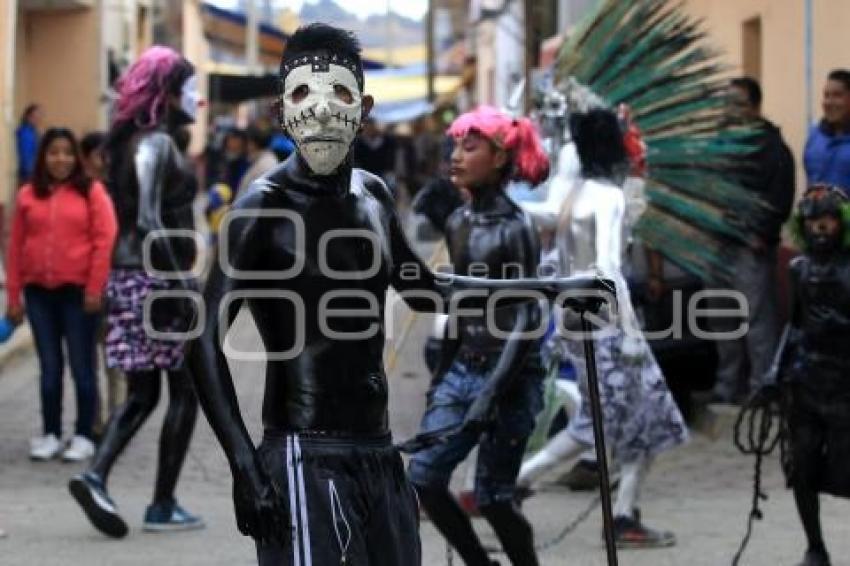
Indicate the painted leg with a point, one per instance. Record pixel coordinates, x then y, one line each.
808 507
514 532
165 514
89 488
560 447
453 524
629 530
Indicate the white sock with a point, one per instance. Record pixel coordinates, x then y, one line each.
632 477
588 455
560 447
572 396
471 465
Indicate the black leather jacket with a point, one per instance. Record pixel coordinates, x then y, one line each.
153 189
821 312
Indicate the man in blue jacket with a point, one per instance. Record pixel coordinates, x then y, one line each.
827 153
27 141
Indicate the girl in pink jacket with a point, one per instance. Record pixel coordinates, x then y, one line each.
57 264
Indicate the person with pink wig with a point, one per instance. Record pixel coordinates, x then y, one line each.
152 188
483 374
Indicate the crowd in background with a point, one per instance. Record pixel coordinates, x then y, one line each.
59 175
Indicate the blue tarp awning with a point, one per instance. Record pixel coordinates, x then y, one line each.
392 112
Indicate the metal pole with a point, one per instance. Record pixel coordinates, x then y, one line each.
599 439
429 36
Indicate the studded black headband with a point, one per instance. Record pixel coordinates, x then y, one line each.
321 60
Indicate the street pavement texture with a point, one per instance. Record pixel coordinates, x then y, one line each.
701 491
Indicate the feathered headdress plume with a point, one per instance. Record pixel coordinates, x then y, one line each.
653 57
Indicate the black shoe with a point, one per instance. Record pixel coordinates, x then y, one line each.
630 533
169 517
90 493
815 557
584 476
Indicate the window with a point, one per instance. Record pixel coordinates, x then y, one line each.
751 54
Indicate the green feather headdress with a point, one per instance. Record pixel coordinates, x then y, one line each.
650 55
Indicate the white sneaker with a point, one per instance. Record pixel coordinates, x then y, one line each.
80 448
45 447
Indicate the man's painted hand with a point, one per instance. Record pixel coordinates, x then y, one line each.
261 507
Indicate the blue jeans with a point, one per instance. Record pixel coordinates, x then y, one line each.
500 449
55 314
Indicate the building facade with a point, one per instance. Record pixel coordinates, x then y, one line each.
63 56
790 46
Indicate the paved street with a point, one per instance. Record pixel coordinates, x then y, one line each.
701 491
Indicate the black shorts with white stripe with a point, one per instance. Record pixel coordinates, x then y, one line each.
349 500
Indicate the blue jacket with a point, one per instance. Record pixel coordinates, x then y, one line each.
27 138
827 158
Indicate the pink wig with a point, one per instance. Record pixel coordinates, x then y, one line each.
518 136
144 88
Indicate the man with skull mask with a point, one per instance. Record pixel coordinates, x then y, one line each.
326 486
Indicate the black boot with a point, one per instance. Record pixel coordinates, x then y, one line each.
815 557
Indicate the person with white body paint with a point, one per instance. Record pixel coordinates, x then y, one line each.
641 418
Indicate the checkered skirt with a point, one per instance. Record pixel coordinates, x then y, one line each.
129 347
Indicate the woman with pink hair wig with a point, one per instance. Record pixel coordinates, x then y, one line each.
517 136
481 372
153 189
144 88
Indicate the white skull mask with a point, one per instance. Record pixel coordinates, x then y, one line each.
322 113
190 98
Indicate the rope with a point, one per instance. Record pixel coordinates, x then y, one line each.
764 419
568 529
546 545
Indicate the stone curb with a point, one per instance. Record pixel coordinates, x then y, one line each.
20 344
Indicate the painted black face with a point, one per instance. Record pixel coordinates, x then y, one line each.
823 233
821 212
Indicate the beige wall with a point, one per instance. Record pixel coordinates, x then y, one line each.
7 106
783 48
59 66
831 43
196 49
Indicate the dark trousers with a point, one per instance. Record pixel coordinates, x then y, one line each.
55 314
754 275
349 502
